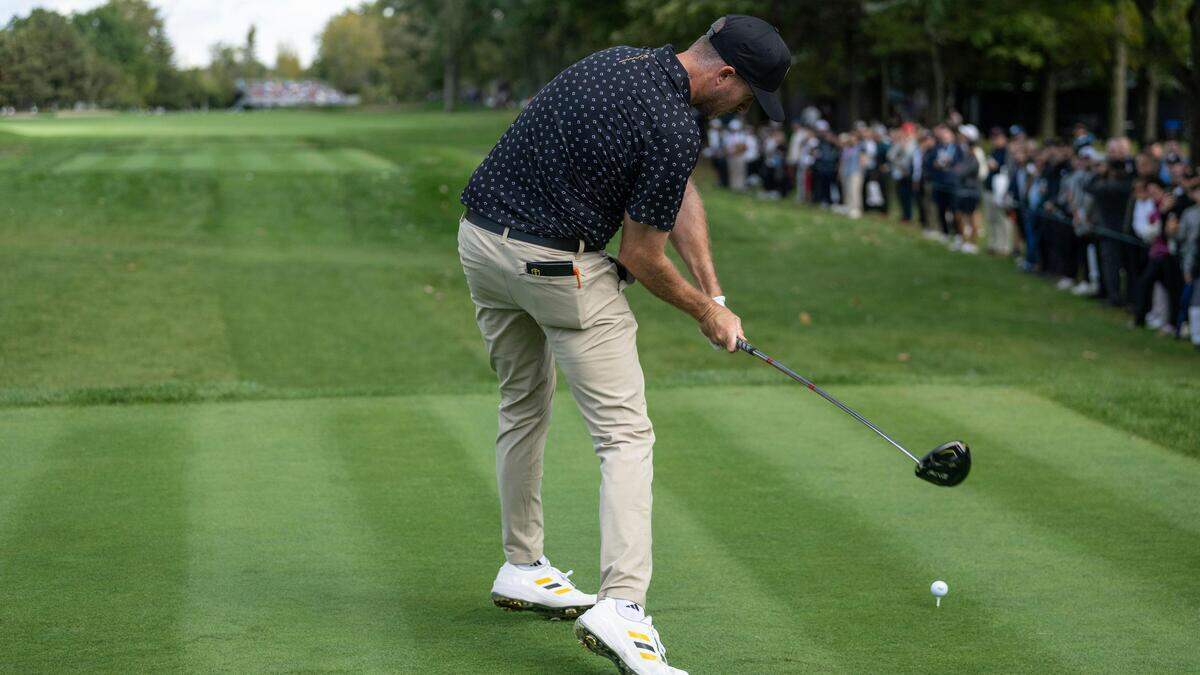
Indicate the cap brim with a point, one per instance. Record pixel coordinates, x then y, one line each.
769 100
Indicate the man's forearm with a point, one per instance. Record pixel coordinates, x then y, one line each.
659 275
690 239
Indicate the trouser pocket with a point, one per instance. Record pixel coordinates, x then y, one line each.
552 292
569 292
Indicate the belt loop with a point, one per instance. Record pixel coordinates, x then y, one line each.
504 235
582 246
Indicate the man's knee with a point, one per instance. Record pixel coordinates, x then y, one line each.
625 433
527 397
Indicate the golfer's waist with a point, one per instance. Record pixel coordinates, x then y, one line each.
558 243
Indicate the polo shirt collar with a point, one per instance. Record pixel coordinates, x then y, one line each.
675 71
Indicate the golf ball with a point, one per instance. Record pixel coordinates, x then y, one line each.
939 588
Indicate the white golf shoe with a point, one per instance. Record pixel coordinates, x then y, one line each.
541 588
624 636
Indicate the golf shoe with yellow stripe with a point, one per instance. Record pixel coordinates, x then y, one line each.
619 631
539 588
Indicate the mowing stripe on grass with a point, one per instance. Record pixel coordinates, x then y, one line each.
277 547
25 441
262 160
200 159
87 161
1133 569
437 522
356 159
314 160
781 509
705 612
93 559
138 161
1069 566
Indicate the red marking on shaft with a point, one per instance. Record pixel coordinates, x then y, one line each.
812 386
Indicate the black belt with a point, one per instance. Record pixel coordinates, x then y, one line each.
572 245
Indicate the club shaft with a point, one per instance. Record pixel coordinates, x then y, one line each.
752 350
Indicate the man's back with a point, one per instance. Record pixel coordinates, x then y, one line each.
611 133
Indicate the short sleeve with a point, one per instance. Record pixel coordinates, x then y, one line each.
668 158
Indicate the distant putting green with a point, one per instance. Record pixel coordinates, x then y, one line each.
247 425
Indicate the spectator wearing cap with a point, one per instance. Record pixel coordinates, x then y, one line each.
741 146
1080 137
1072 242
943 180
850 174
874 150
826 156
967 168
1161 266
1052 217
773 164
1112 189
799 158
995 196
922 183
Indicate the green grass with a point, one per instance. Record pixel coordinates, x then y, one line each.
247 424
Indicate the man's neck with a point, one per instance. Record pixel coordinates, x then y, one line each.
693 71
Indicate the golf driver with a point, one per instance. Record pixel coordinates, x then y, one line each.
946 465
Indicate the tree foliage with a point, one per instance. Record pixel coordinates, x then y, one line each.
848 55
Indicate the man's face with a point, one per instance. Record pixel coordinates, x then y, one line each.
728 93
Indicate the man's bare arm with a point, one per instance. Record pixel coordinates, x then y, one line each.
643 251
690 239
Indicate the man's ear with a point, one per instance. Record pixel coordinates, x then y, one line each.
725 73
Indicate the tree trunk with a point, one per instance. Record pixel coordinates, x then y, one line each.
1047 128
885 83
1192 83
853 73
449 83
1150 105
450 25
1118 101
937 107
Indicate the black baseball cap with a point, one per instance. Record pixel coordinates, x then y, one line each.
756 51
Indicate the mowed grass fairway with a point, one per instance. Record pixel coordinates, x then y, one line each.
246 424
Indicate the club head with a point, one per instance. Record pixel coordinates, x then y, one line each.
946 465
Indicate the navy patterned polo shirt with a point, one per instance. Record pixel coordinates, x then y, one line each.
611 133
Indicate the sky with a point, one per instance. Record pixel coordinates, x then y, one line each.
194 25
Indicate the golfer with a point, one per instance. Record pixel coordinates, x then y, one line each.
609 144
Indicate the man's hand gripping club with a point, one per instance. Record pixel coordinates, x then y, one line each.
643 251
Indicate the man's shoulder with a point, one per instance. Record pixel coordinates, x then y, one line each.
617 55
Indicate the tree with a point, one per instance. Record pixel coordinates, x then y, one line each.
130 34
287 63
224 69
351 53
252 68
1177 51
44 61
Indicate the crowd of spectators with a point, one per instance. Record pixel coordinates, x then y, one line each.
1100 219
289 94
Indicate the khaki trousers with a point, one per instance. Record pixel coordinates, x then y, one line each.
584 324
